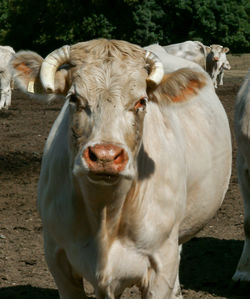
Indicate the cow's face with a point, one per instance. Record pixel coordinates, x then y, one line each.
216 51
105 83
108 102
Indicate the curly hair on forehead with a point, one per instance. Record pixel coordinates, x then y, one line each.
106 50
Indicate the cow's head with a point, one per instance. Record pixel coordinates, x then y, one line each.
217 50
108 85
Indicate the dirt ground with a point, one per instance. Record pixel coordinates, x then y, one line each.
208 261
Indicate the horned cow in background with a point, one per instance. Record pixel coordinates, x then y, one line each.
216 63
213 58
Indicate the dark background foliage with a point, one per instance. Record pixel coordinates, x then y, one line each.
44 25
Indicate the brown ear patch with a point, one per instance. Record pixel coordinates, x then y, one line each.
21 67
181 85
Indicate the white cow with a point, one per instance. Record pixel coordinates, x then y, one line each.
242 133
213 59
223 64
216 62
6 53
135 164
191 50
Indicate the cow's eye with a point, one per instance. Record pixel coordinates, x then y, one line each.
73 98
81 104
141 104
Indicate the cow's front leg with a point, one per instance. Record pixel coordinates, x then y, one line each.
8 98
5 99
220 77
164 283
5 90
242 273
70 286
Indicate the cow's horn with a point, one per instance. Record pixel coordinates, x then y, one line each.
50 66
156 68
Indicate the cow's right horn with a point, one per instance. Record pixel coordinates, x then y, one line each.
156 69
50 66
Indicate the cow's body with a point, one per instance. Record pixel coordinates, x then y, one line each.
172 63
191 50
216 63
119 224
223 64
242 133
6 53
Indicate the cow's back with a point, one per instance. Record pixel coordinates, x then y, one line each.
191 50
170 62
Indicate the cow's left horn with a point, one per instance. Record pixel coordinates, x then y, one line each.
156 68
50 66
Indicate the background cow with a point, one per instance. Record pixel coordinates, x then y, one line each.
6 54
216 62
242 133
213 59
223 64
135 164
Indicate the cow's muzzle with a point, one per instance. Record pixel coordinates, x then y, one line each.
105 160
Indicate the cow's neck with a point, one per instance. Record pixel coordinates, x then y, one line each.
105 206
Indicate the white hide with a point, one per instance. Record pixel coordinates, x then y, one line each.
188 146
6 53
191 50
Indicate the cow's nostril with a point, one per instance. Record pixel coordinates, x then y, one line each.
92 156
105 158
119 158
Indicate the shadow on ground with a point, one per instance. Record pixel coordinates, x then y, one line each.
27 292
208 265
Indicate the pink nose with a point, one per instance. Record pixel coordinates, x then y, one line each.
105 158
216 58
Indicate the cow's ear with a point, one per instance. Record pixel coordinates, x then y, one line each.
225 50
26 68
179 86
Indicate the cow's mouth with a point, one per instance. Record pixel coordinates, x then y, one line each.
98 177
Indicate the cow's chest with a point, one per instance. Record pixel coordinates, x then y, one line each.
113 268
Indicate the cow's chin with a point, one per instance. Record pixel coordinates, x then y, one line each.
101 177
